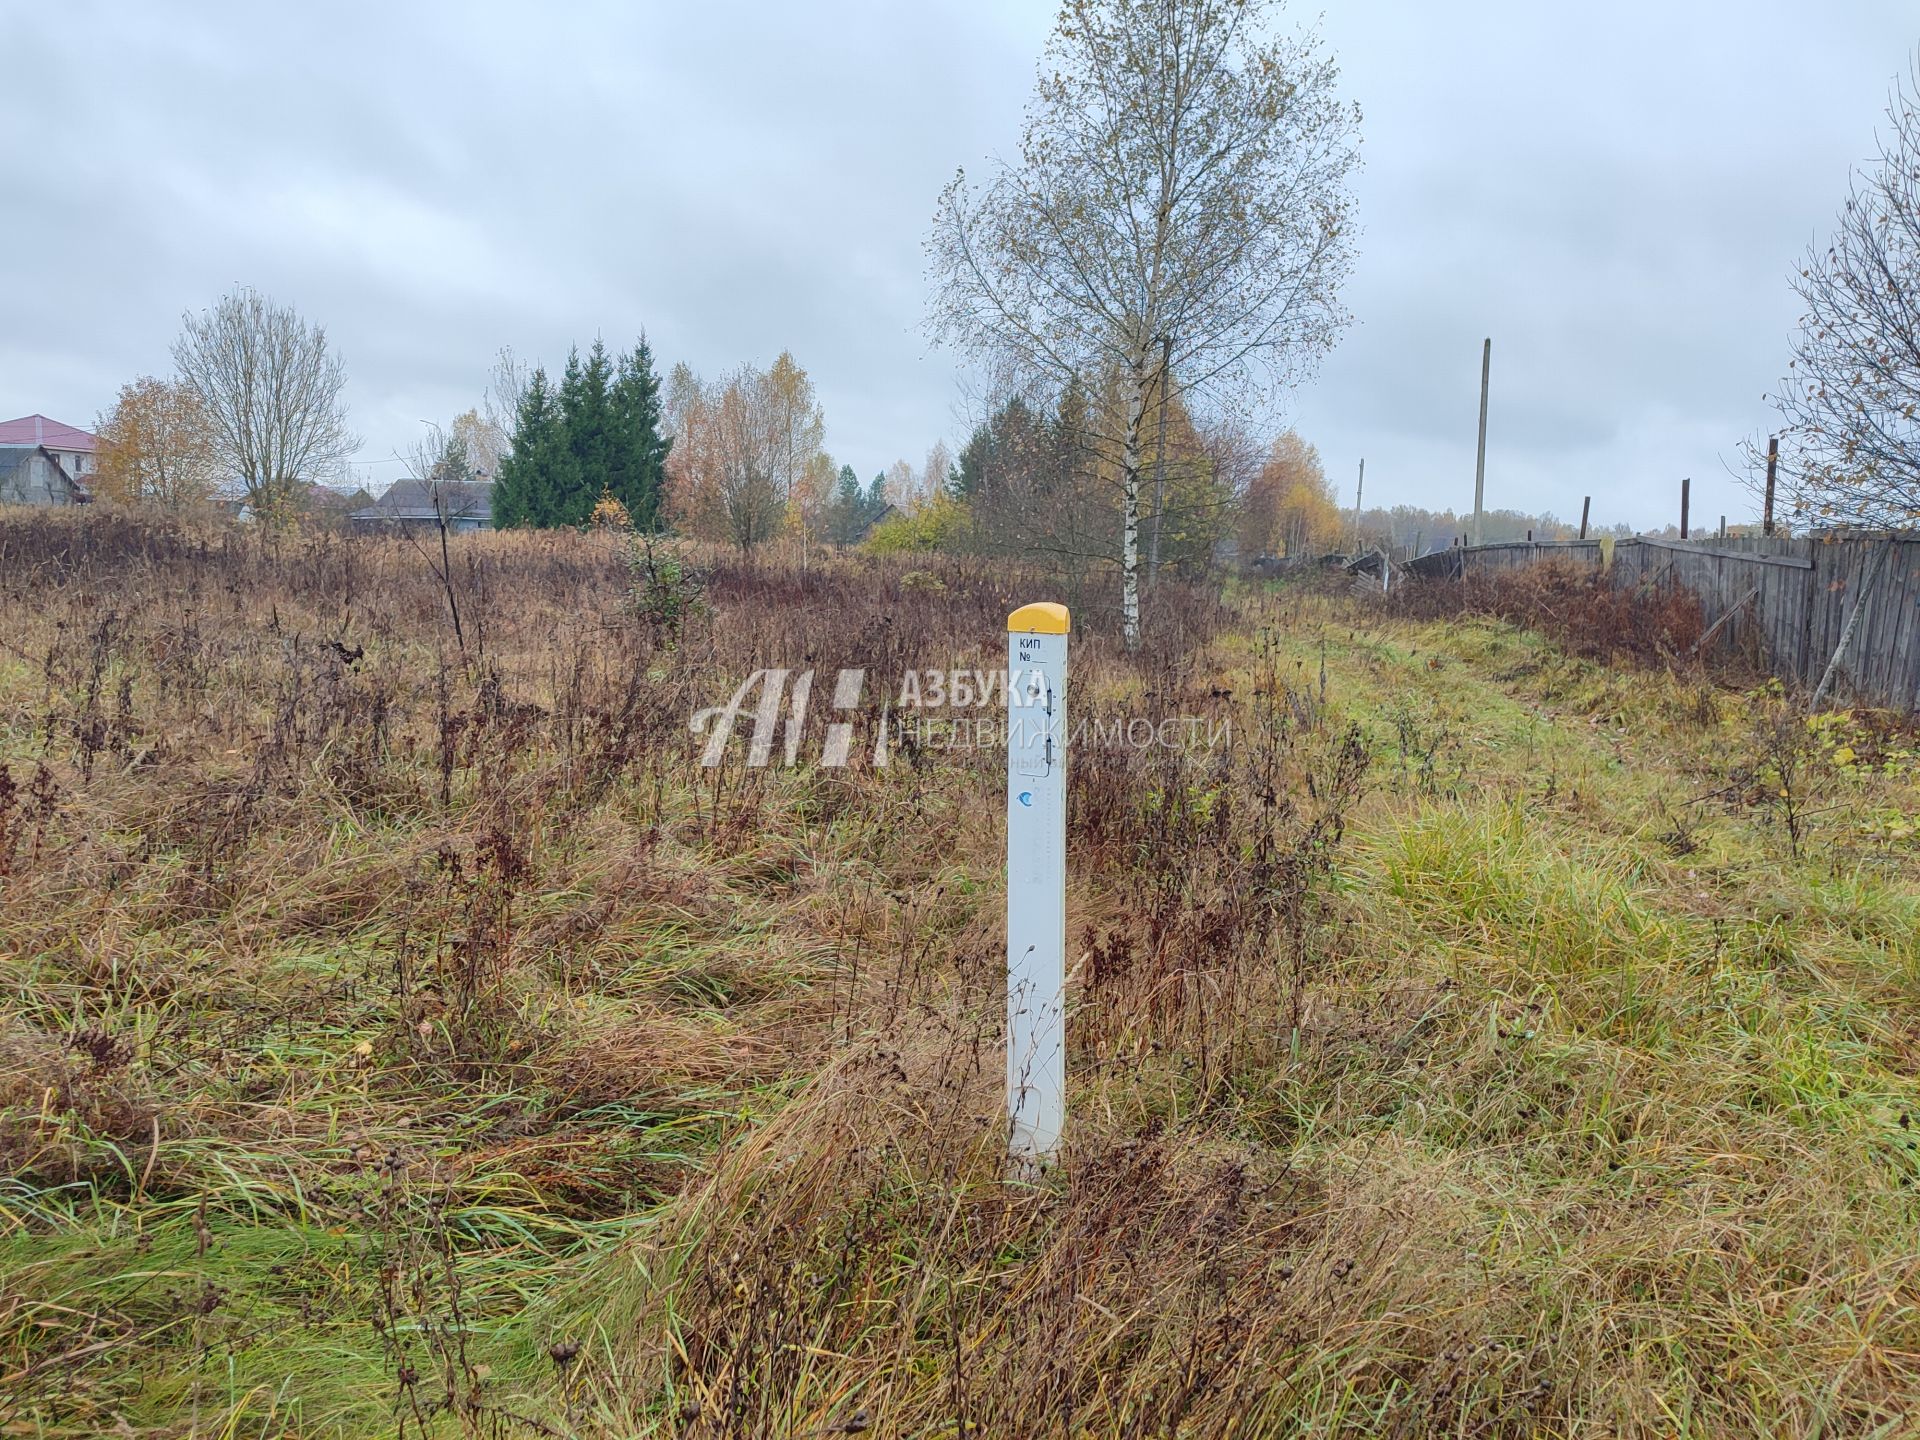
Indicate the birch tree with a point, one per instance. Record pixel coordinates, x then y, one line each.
1177 225
485 445
1289 508
507 384
936 474
810 509
801 472
902 487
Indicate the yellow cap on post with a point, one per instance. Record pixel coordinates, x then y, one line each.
1044 617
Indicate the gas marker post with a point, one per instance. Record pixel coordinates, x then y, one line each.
1036 879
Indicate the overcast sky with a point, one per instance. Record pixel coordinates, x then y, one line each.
1614 193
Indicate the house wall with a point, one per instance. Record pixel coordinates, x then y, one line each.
37 481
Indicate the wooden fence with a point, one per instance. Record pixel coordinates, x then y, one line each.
1791 600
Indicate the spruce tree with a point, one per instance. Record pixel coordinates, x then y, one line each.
1001 451
847 509
561 484
586 417
639 450
520 489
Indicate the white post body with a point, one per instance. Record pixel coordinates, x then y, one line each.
1036 879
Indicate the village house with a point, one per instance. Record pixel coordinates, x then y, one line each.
43 462
31 475
423 504
332 507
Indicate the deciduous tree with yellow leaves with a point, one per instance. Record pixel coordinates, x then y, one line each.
1289 508
155 447
747 458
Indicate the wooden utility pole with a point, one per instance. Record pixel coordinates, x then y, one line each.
1358 490
1686 486
1773 458
1586 504
1480 460
1723 527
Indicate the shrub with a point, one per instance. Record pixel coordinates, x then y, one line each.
940 525
663 590
1582 609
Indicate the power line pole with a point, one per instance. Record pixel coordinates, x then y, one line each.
1686 487
1480 461
1358 490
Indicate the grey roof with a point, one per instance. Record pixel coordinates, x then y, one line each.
12 457
412 499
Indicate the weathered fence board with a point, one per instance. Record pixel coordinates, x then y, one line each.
1787 600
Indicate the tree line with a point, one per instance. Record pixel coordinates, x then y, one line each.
1165 254
739 459
1038 479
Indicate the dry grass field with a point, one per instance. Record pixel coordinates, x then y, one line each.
401 1033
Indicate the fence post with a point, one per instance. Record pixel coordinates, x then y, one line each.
1036 880
1773 457
1586 504
1685 486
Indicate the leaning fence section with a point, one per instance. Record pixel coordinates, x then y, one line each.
1838 616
